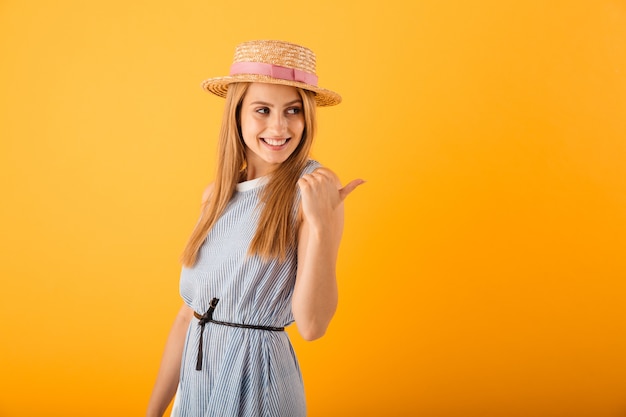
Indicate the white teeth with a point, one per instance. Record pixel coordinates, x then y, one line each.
275 142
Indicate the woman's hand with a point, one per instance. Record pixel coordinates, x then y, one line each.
315 296
322 194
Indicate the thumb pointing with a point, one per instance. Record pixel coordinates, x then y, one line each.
343 192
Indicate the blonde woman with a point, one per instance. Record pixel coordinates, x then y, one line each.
264 251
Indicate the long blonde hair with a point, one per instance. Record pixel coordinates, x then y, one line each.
275 231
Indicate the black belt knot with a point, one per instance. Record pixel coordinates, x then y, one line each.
208 318
204 319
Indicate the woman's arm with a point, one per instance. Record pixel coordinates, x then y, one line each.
169 371
315 294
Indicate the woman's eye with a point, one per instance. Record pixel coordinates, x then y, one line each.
294 110
263 110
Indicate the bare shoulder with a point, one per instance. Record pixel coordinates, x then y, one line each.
207 193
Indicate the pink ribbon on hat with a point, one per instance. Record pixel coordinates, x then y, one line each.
274 71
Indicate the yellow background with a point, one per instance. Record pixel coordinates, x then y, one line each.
482 271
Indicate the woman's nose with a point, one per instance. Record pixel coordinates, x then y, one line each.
278 122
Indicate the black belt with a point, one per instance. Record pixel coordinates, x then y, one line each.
208 318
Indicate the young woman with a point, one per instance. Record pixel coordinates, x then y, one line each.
264 251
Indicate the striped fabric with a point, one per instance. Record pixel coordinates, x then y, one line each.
245 372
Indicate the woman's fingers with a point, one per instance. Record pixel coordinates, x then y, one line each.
325 179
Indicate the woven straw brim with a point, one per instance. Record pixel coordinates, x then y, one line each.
219 87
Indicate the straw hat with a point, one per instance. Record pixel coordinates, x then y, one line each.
274 62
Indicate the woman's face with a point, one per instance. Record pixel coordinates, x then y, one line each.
272 122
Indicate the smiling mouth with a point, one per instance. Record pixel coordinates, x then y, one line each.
275 142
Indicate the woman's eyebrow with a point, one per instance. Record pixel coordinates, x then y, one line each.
263 103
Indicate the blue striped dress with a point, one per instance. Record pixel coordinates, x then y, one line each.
245 372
